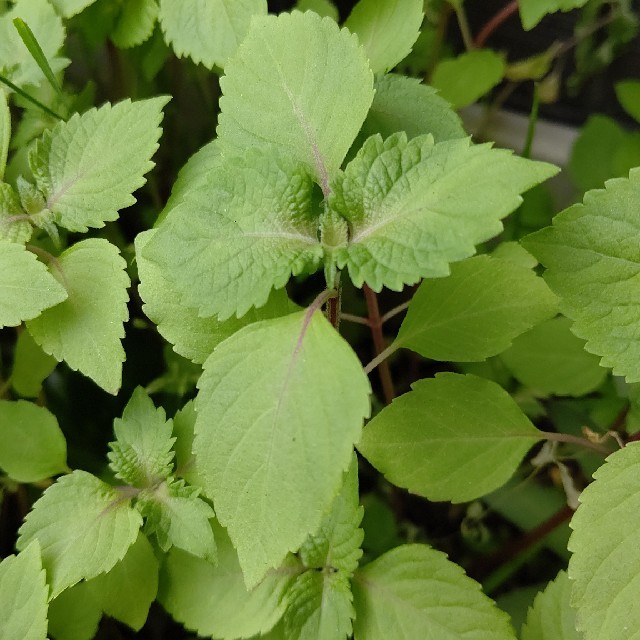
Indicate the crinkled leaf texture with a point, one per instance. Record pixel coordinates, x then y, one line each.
592 258
413 591
208 31
228 244
298 82
88 167
84 527
551 616
387 30
213 600
32 446
85 330
453 437
270 394
475 312
414 206
26 287
605 566
23 596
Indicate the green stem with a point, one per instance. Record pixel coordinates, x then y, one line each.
463 23
533 121
30 98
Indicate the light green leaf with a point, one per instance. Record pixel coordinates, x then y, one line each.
85 330
14 225
69 8
269 395
287 86
405 104
142 453
184 423
228 244
32 446
128 589
89 166
16 62
593 264
324 8
192 336
31 365
628 94
605 566
414 592
84 527
26 287
23 596
135 23
468 77
453 437
415 206
320 607
476 312
336 544
387 30
551 360
74 614
208 31
532 11
179 518
213 600
551 616
5 131
512 251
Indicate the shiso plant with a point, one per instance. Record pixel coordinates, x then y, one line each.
273 503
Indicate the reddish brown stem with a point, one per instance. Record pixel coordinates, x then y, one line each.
494 23
375 323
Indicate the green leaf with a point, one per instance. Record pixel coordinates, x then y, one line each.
135 23
16 61
31 365
85 330
75 614
192 336
324 8
628 94
84 527
213 600
287 85
476 312
5 131
32 446
127 590
208 31
320 607
227 245
14 225
605 566
269 395
414 592
179 518
532 11
405 104
23 596
551 360
387 30
26 287
592 264
415 206
453 437
551 616
464 79
88 167
69 8
184 423
142 453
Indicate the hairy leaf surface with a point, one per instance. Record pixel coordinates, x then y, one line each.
13 223
26 287
387 30
605 566
88 167
453 437
287 87
32 446
85 330
269 395
592 258
84 527
476 311
413 591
